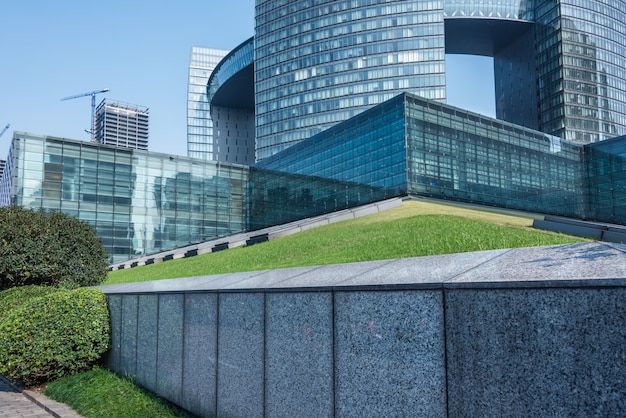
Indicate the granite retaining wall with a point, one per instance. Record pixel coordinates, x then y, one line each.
522 332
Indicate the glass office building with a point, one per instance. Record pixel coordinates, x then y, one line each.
142 203
413 146
139 202
199 122
558 66
320 63
231 95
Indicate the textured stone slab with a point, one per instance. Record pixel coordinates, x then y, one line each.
128 353
147 330
299 355
420 272
241 345
115 314
553 265
170 347
536 352
270 278
544 266
200 353
197 283
390 354
326 276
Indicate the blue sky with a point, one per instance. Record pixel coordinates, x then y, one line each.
140 50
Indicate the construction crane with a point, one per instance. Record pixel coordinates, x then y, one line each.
5 129
93 107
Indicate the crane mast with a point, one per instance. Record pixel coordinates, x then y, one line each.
93 107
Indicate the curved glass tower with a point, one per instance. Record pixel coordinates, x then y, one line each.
321 62
558 65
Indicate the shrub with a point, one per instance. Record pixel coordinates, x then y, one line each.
48 248
15 297
55 335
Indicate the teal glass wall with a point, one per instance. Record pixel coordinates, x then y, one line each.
142 203
410 145
460 155
606 180
367 149
278 197
138 202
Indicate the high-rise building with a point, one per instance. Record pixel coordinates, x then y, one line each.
199 122
122 124
558 65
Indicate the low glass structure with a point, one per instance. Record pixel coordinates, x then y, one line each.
143 203
605 165
138 202
411 145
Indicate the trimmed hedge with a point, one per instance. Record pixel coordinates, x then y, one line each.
58 334
49 248
15 297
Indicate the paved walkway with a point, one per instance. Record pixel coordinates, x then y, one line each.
16 404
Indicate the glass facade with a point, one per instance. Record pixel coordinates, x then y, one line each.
460 155
581 50
558 65
199 123
318 63
605 165
499 9
138 202
367 149
277 197
410 145
142 203
236 61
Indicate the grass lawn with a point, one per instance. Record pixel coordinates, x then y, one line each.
100 393
417 228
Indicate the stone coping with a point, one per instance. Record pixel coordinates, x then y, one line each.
580 265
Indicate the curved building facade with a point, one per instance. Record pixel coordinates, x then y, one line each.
558 65
318 63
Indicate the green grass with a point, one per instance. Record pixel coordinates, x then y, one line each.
100 393
414 229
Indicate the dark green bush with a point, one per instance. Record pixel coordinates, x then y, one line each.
50 249
55 335
17 296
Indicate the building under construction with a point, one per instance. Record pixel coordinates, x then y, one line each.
121 124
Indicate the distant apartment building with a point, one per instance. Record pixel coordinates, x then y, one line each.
122 124
199 122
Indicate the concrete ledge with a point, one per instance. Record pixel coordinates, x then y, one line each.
579 230
517 332
599 231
